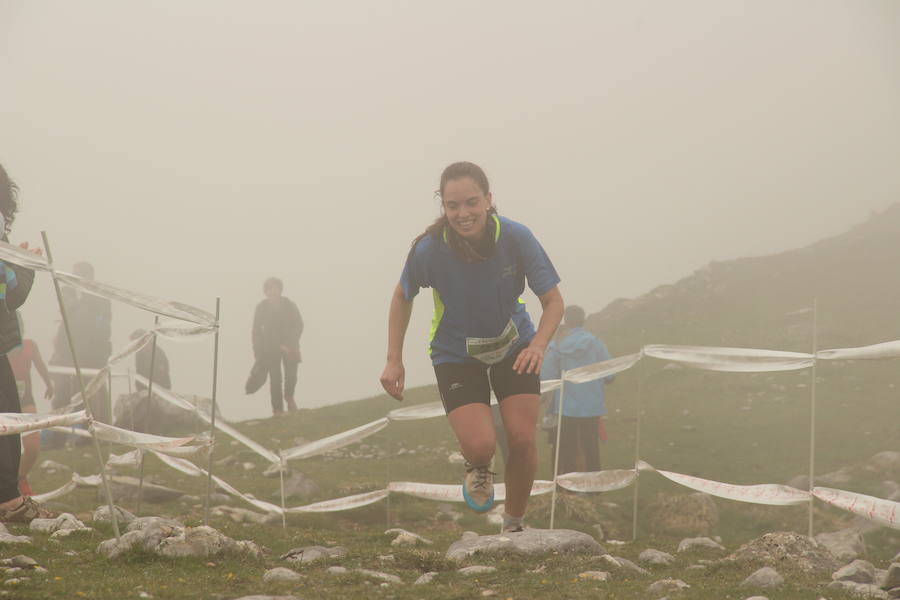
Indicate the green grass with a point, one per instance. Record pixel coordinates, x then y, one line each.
691 423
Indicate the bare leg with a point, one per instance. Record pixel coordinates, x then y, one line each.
520 413
474 429
31 446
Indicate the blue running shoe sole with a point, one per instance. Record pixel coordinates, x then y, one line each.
478 507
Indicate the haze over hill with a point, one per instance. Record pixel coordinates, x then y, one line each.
765 301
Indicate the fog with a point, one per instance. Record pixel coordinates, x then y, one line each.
192 149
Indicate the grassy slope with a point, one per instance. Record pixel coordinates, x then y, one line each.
735 428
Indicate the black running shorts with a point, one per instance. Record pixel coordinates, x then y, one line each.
471 383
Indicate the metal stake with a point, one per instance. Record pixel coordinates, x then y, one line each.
147 419
637 458
562 396
812 413
212 421
87 401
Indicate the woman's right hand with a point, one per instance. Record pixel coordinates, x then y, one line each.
392 379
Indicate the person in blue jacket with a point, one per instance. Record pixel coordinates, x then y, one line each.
585 403
477 264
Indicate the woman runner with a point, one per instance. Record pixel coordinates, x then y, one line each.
477 264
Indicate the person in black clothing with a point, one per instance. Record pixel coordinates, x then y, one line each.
277 327
15 285
144 357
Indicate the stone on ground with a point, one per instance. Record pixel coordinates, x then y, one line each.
378 575
426 578
767 577
859 571
859 590
476 570
699 543
845 544
101 515
530 541
667 587
786 548
7 538
243 515
623 564
594 576
171 539
406 538
308 554
261 597
19 561
655 558
280 574
892 577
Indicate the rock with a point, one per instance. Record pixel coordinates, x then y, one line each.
7 538
300 486
757 598
447 512
64 533
101 515
281 574
426 578
885 462
655 558
456 458
219 498
63 521
594 576
386 557
892 578
469 535
530 541
691 514
337 570
309 554
786 548
894 593
406 538
15 581
623 564
385 577
52 465
476 570
176 541
860 590
600 534
248 466
859 571
696 567
767 577
141 523
19 562
259 597
667 587
845 544
698 543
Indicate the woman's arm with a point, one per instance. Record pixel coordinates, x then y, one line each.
392 378
532 357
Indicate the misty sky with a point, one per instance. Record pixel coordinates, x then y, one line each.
191 149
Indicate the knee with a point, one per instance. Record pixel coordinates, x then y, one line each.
521 442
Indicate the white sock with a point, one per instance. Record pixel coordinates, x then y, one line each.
510 522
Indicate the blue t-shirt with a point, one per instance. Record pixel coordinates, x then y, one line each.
478 311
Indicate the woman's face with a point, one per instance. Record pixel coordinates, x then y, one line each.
466 207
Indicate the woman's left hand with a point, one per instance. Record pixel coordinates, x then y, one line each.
529 360
36 250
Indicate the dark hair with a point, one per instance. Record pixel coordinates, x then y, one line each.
9 203
574 316
457 170
273 281
84 269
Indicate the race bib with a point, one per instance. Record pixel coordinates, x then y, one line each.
492 350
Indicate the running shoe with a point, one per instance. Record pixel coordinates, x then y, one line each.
25 513
478 487
514 529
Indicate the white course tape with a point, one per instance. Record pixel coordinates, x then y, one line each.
886 512
606 368
548 385
13 423
338 440
23 258
597 481
68 487
875 351
76 431
185 446
767 493
60 370
443 492
129 459
417 412
337 504
735 360
166 308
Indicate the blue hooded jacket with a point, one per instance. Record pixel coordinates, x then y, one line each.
577 349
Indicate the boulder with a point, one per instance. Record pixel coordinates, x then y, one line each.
7 538
530 541
859 571
786 548
426 578
379 576
176 541
845 544
667 587
687 514
101 515
476 570
859 590
337 570
281 574
594 576
699 543
655 558
308 554
892 578
62 522
767 577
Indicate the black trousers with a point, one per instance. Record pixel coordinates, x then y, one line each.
580 435
276 390
10 448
